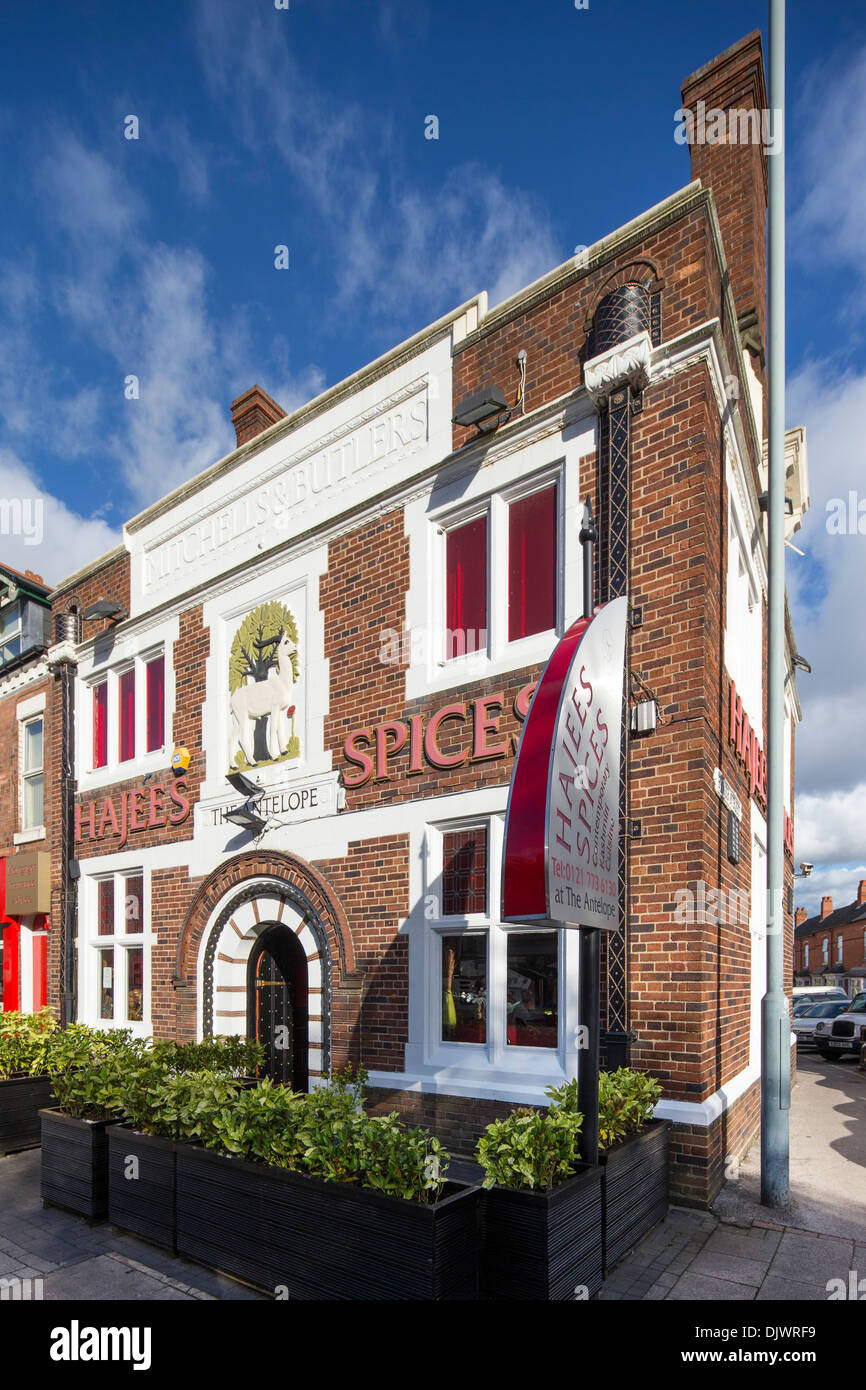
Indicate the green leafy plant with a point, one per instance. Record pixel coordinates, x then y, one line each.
232 1056
89 1070
262 1125
530 1148
626 1100
24 1043
404 1162
181 1106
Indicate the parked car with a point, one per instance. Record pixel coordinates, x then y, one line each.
817 994
804 1022
844 1034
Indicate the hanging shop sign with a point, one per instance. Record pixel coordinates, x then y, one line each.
468 731
562 829
155 806
28 883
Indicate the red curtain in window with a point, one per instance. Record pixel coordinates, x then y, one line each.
532 564
105 919
464 871
155 703
466 599
100 724
127 716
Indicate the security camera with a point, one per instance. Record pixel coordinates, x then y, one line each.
806 869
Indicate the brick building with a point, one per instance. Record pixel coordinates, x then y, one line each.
25 740
297 702
830 948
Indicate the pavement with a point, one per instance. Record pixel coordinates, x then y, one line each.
743 1251
75 1260
737 1251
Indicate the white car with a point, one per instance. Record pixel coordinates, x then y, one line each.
804 1020
835 1037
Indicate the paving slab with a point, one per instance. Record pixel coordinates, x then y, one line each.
715 1265
708 1289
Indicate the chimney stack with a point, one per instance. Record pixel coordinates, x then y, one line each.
826 907
800 916
253 412
728 155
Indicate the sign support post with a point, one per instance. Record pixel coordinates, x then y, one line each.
589 989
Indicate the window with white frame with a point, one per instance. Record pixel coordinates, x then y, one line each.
494 986
839 950
501 564
806 956
825 950
117 954
127 711
32 773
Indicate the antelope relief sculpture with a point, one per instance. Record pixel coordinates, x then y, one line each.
264 696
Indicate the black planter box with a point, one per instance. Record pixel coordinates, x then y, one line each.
75 1164
543 1245
304 1238
145 1204
21 1099
634 1189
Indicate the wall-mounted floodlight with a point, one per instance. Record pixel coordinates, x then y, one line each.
245 816
488 404
243 784
764 502
104 608
800 663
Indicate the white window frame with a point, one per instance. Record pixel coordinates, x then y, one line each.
494 506
120 942
26 712
839 949
825 950
743 644
90 777
494 1062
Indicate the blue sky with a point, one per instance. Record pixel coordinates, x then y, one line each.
305 127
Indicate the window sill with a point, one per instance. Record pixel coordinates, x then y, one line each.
27 837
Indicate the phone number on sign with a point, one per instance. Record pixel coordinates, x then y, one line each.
582 878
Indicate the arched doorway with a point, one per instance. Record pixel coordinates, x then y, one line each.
271 921
277 1005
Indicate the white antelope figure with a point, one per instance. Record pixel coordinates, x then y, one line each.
271 697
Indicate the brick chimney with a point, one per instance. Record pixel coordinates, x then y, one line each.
826 907
253 412
800 916
861 892
735 167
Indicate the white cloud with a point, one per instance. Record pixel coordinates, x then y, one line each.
64 540
404 249
829 218
837 881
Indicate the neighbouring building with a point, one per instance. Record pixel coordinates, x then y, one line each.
297 687
830 948
25 754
